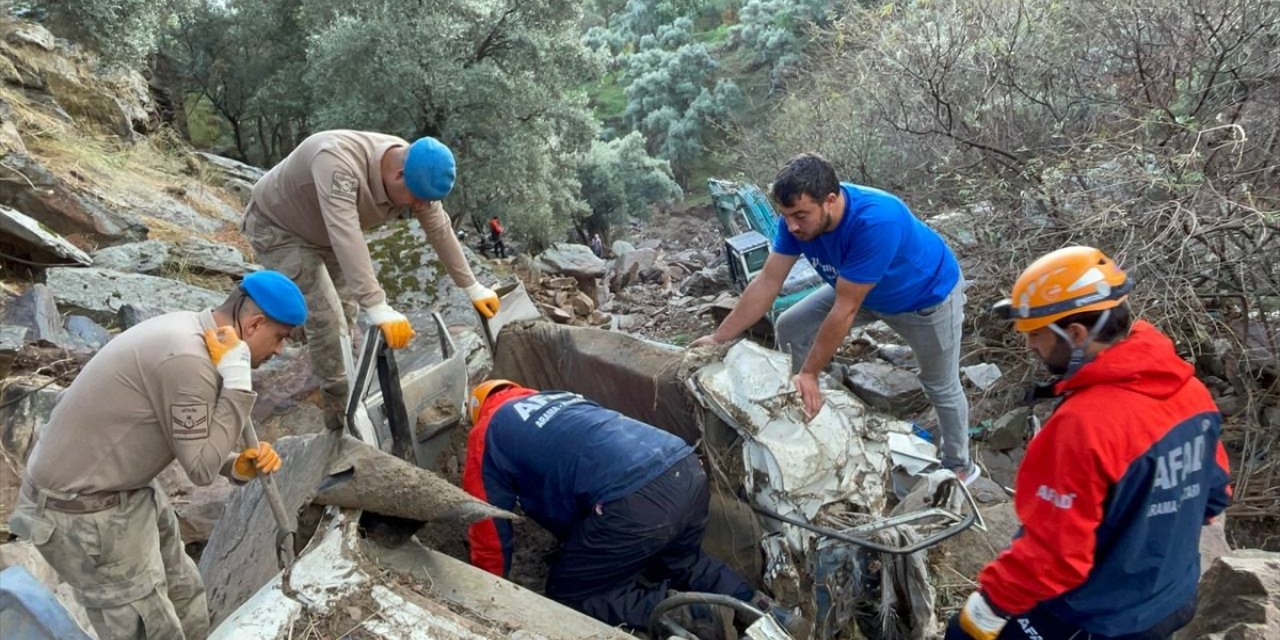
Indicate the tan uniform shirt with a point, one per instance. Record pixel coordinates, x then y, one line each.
150 395
329 190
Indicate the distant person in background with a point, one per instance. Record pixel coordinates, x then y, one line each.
495 233
597 246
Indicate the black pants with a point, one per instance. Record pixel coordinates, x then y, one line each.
655 534
499 247
1037 625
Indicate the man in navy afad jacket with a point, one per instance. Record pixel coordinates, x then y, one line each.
624 499
1114 490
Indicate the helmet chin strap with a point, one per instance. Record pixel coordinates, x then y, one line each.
1078 356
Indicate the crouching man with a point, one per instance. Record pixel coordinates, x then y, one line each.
625 500
175 386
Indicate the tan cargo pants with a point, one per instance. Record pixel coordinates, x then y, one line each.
125 563
331 311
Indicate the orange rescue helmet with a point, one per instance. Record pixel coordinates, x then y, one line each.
1063 283
482 392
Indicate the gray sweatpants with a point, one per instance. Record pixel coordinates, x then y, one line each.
932 333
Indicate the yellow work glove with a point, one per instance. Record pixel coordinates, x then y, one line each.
395 327
979 619
231 355
251 462
485 300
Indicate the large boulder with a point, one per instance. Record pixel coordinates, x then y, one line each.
231 168
211 257
37 312
174 205
36 241
89 104
886 387
99 293
707 281
156 256
148 256
1009 431
572 260
1239 599
29 187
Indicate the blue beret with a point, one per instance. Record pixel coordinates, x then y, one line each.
277 296
429 169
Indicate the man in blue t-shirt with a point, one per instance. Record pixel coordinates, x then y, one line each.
881 262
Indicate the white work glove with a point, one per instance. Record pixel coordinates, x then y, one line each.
231 355
979 620
484 298
395 327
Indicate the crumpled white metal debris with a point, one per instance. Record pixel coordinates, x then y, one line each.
793 467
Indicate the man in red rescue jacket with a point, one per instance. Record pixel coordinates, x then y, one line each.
1115 488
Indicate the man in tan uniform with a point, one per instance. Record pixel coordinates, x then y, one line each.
176 386
307 218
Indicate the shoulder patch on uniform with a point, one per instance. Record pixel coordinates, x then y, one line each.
189 421
345 185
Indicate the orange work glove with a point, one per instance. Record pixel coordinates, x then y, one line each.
484 298
395 327
251 462
231 356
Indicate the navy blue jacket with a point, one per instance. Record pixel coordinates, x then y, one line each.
558 455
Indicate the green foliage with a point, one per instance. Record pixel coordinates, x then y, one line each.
673 97
620 180
496 80
775 31
122 31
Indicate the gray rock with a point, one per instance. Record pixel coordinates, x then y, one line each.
87 332
628 267
29 187
242 190
650 243
24 33
148 256
22 229
169 206
155 256
1239 598
36 311
886 387
232 168
708 281
199 512
1230 405
620 247
25 405
211 257
12 337
898 355
639 259
1008 432
131 314
572 260
99 293
410 272
997 466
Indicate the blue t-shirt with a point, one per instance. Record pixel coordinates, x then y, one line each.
879 241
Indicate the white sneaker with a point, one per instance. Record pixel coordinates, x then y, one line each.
968 476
